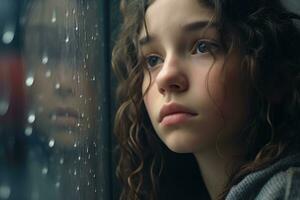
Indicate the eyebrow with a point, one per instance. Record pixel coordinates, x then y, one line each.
190 27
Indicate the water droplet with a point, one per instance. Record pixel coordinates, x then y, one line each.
89 126
51 143
29 81
99 108
45 170
57 184
67 13
75 172
75 144
77 188
4 105
57 86
78 124
93 78
76 28
80 96
31 118
73 11
67 39
8 36
28 131
48 73
45 59
53 117
88 183
4 191
53 19
79 158
61 161
82 115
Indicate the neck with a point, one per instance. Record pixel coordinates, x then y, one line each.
215 170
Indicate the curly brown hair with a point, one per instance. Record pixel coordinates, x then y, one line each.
268 39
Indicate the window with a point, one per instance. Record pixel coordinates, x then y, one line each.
55 102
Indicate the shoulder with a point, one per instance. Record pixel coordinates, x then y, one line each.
282 185
278 181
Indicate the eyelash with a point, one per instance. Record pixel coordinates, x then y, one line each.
209 47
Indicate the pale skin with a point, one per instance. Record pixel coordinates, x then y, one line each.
184 72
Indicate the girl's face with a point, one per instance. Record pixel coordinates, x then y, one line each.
194 93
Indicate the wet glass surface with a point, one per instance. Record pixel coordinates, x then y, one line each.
51 100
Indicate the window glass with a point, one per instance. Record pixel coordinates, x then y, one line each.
52 101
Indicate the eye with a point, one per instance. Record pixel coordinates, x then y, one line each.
202 47
153 60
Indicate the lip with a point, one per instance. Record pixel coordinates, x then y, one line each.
65 117
173 113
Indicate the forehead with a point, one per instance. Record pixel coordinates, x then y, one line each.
179 13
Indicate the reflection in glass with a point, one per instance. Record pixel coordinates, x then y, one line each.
60 58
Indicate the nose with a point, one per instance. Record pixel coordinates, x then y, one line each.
172 76
64 86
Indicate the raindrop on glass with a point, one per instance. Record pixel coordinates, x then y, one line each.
80 96
45 170
61 161
8 36
75 172
67 39
78 124
53 117
31 118
57 86
93 78
53 19
75 145
48 73
51 143
4 191
29 81
79 158
73 11
67 13
28 131
4 105
77 188
45 59
57 184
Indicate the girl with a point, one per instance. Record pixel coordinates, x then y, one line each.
209 100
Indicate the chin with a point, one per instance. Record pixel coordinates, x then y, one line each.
185 143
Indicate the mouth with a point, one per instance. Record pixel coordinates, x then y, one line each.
65 117
173 113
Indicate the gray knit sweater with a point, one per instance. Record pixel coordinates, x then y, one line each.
279 181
